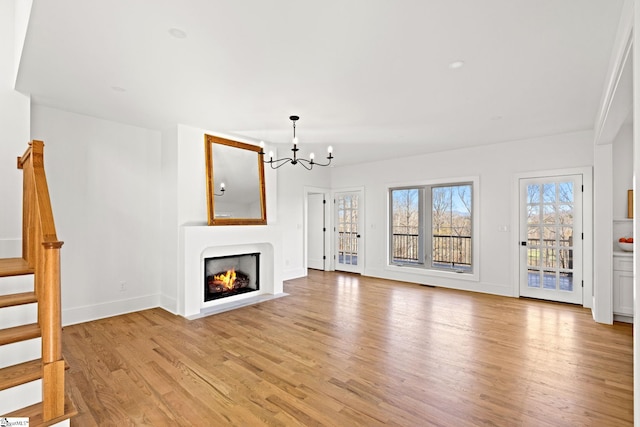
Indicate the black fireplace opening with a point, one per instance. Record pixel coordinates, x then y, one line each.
229 275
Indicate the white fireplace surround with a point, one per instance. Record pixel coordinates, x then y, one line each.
199 242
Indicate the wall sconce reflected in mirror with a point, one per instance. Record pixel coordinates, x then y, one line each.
222 190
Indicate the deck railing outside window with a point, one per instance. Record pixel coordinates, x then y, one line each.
550 255
405 247
446 249
452 250
347 241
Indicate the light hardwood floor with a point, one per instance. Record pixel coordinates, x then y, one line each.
345 350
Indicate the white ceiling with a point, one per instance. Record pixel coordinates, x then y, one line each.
362 74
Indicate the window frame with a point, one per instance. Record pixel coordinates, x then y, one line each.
425 267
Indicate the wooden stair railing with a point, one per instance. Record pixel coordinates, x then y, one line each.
41 257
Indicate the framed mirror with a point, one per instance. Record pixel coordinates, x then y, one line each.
235 182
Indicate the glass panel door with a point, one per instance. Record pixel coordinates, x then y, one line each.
348 225
551 238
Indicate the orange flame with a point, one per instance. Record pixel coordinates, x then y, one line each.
227 279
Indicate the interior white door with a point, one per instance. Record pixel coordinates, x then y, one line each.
348 232
315 231
551 238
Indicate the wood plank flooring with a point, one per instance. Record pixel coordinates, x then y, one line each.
345 350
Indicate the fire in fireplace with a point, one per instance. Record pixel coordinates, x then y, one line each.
231 275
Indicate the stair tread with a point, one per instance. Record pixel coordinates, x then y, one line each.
19 333
14 267
17 299
34 413
22 373
25 372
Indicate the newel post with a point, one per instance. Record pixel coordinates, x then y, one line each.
49 312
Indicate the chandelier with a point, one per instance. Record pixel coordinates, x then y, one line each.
307 164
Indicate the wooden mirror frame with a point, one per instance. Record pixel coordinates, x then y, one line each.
209 140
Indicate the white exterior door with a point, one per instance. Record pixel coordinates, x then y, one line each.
348 231
551 238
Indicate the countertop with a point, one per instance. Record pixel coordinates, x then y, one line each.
621 253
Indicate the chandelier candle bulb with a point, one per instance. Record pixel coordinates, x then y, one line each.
222 185
262 145
312 156
270 155
330 150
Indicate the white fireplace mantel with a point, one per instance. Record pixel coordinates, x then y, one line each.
200 241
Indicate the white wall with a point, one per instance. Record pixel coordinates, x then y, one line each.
603 237
104 182
14 135
622 170
496 166
636 188
169 220
22 13
191 184
292 181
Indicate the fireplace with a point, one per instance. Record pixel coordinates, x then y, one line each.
200 242
229 275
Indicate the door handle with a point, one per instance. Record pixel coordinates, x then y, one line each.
523 243
358 236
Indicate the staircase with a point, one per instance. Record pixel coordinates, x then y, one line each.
32 375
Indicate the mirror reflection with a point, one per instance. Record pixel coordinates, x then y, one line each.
235 182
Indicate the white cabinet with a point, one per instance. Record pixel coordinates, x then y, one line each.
623 283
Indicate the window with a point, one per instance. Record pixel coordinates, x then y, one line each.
432 226
406 223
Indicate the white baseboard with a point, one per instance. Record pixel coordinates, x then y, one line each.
169 304
422 279
71 316
622 318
